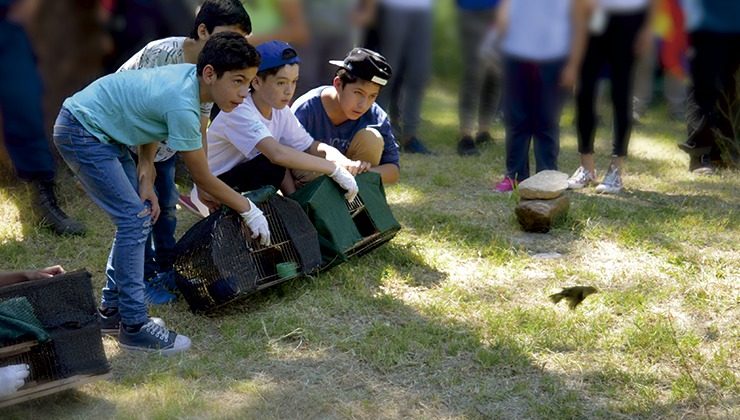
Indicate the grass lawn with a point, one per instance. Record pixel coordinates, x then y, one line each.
451 319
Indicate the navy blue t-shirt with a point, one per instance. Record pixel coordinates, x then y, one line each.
477 4
311 113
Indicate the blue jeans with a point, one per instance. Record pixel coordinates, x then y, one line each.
160 248
108 174
532 104
20 106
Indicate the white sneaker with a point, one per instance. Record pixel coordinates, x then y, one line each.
612 183
581 178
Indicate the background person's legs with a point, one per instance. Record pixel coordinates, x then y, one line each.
23 131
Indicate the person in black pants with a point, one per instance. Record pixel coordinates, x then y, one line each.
715 63
617 35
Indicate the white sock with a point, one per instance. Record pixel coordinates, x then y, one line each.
12 377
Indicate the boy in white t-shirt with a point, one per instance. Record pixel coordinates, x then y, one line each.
252 146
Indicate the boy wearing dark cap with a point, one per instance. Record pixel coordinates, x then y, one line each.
253 145
345 115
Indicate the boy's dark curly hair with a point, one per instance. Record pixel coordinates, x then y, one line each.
227 51
214 13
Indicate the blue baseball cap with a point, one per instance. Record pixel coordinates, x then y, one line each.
276 54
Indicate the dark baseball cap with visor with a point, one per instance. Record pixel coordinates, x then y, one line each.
367 65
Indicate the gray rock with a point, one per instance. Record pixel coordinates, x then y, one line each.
544 185
541 215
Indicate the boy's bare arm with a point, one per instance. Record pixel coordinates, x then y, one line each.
21 276
389 173
196 162
332 154
146 174
293 159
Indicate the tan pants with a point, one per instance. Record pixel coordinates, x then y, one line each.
366 145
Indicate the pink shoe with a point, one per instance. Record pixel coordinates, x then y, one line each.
186 203
506 185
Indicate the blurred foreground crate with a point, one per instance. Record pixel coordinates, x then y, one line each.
217 260
346 228
70 352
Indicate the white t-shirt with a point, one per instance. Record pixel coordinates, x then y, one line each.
162 52
233 136
622 5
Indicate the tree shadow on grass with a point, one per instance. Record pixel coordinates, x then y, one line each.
72 403
336 346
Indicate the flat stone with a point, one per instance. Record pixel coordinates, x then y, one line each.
544 185
540 215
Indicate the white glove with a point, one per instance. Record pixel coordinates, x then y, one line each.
345 180
12 377
257 223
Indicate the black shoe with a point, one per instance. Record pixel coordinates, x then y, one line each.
51 215
483 138
415 145
691 145
466 147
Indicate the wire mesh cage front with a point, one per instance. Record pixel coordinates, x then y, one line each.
52 326
348 228
217 260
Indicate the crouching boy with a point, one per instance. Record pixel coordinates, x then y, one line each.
345 115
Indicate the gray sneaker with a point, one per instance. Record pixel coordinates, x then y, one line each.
581 178
153 337
612 183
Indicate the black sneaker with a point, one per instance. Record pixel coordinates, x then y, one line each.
415 145
483 138
153 337
466 147
109 325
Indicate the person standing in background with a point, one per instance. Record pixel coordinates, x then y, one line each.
714 33
543 43
480 84
21 93
669 51
334 27
405 39
620 30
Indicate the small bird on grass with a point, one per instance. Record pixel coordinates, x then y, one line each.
574 295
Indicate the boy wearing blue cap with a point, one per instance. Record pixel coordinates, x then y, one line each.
96 126
253 145
345 115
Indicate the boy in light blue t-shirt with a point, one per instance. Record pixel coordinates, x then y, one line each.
214 16
93 132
